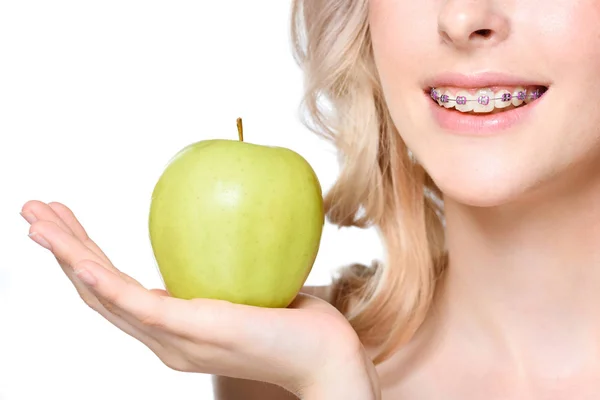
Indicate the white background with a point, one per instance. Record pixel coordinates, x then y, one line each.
95 98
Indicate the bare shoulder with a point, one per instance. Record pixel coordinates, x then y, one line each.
226 388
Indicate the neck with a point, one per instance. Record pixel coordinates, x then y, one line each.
527 275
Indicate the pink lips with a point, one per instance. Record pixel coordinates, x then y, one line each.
480 124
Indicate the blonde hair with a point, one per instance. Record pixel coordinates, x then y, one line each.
379 185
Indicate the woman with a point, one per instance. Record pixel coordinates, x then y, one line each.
470 136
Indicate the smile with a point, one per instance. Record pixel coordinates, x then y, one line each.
486 100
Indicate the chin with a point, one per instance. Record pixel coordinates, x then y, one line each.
477 188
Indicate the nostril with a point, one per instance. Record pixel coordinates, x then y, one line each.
486 33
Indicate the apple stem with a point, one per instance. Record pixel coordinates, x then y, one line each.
240 129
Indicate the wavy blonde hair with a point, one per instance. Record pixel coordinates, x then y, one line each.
380 184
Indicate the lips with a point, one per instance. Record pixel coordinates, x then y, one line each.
486 100
492 80
482 103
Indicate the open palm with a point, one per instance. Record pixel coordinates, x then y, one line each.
280 346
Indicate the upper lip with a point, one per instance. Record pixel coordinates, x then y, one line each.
479 80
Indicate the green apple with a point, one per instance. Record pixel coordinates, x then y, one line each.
236 221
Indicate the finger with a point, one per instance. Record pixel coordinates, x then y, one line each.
92 301
68 217
142 308
120 303
160 292
45 233
66 220
62 244
157 313
71 246
34 211
41 211
71 252
67 249
48 212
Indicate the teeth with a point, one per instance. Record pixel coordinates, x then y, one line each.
462 101
448 104
484 100
532 96
503 99
519 94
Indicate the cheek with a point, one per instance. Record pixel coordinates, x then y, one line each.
555 39
569 46
568 33
402 33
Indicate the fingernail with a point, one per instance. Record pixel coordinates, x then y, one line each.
39 239
86 277
28 217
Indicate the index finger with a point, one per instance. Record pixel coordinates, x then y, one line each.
124 298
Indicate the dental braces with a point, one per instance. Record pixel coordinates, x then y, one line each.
485 99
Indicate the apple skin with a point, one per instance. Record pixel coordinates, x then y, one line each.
236 221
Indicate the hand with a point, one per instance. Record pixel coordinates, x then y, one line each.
290 347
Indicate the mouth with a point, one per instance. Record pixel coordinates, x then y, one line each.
486 100
484 103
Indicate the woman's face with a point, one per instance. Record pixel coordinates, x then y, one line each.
485 55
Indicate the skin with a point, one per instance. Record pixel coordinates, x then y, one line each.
307 350
518 314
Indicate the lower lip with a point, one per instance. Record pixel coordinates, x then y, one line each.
483 124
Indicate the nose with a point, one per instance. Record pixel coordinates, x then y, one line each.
469 24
